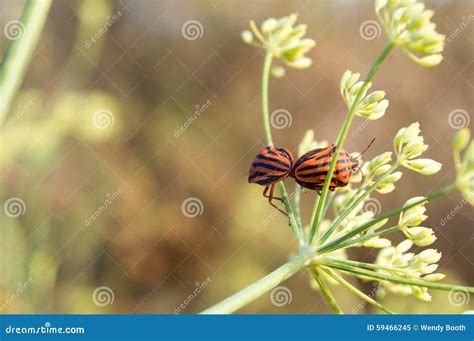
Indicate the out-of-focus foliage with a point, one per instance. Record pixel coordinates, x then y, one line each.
123 117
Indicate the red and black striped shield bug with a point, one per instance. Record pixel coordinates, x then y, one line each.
311 169
270 166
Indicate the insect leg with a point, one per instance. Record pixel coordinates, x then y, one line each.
270 198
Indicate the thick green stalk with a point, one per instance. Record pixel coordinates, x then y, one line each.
260 287
326 292
317 211
20 53
394 279
356 291
378 219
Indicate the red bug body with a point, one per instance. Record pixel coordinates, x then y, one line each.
270 166
310 170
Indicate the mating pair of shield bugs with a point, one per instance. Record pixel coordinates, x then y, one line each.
309 171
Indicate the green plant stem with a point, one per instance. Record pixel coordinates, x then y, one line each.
369 266
356 291
390 214
20 52
260 287
265 112
354 201
354 242
394 279
326 292
316 219
269 140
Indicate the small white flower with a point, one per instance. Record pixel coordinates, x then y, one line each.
420 236
413 216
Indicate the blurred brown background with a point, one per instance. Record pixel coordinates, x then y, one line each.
97 133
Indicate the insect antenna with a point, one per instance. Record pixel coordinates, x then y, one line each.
366 149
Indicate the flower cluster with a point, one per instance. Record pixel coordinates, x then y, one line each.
411 218
408 25
464 166
377 169
284 40
396 261
409 144
371 106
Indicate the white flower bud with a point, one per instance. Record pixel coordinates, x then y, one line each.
377 242
420 236
430 256
461 139
424 166
269 25
434 277
277 71
247 36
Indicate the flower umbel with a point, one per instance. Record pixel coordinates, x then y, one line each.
283 39
397 261
371 106
408 25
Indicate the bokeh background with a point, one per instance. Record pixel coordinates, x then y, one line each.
104 149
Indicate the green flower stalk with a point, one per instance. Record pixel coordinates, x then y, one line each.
323 242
